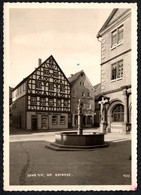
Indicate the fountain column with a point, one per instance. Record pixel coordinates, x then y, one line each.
80 118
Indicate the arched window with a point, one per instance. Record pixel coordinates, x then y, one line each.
118 113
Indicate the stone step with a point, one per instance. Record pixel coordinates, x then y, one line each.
59 147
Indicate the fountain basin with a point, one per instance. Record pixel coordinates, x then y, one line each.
73 139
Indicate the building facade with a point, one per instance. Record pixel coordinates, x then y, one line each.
81 88
42 100
115 38
97 105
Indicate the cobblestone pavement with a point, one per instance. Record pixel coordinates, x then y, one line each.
33 164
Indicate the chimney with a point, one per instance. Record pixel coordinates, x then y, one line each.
71 75
39 61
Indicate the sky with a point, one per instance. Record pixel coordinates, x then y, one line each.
67 34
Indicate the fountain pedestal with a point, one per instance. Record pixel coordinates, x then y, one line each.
78 140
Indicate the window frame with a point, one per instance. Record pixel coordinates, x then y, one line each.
44 71
38 81
63 88
42 103
118 116
56 118
50 99
33 103
64 121
117 32
118 68
51 88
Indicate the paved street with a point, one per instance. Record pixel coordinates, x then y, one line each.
33 164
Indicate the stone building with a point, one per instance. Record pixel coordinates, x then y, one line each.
42 100
115 38
81 88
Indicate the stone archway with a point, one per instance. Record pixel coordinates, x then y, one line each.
113 105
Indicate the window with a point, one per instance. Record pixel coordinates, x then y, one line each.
65 103
58 103
117 36
46 71
33 100
51 86
83 94
62 88
120 34
114 38
88 106
56 74
117 70
73 94
62 120
42 101
38 84
54 120
118 113
88 94
50 102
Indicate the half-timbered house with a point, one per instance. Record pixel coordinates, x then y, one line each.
42 100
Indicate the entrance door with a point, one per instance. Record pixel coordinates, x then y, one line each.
44 122
34 123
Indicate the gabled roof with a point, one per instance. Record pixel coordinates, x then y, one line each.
107 21
25 79
113 17
74 77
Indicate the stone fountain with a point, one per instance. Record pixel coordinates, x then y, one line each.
78 140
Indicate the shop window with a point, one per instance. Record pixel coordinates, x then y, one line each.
38 84
33 100
50 102
117 36
62 120
54 120
117 70
118 113
43 101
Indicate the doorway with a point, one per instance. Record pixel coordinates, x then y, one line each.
34 122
